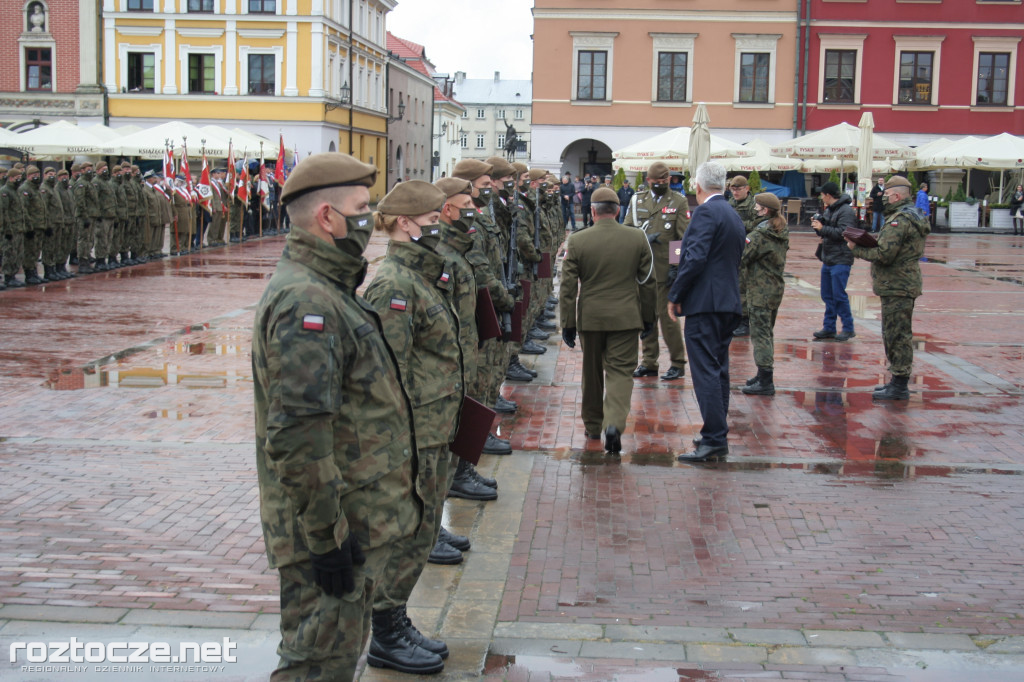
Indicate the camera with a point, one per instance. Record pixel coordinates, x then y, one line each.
817 216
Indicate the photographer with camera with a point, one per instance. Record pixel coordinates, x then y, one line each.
836 260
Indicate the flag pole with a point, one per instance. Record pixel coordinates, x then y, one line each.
167 147
199 215
259 187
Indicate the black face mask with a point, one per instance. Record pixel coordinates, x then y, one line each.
659 190
37 181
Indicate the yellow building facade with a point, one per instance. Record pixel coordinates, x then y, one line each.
314 71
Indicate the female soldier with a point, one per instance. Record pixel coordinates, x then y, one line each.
763 261
410 293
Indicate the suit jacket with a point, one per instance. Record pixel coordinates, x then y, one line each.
608 268
708 278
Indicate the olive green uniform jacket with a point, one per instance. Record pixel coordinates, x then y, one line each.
665 217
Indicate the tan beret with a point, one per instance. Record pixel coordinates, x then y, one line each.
19 165
101 165
125 164
453 186
75 168
85 164
738 181
657 171
135 168
519 167
31 169
412 198
500 168
13 173
327 169
62 173
604 194
768 200
471 169
537 174
897 181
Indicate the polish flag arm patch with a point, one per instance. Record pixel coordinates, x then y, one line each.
398 304
313 323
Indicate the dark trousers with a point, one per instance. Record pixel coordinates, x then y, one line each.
707 344
568 214
833 294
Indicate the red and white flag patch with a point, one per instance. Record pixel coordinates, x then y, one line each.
313 323
445 277
398 304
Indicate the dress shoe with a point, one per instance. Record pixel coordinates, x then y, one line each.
515 373
465 485
673 373
459 542
825 334
704 452
496 446
697 440
531 348
444 554
521 366
546 326
536 334
504 406
613 440
845 335
642 371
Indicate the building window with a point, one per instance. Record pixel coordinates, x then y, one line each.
499 113
141 71
916 77
754 74
479 141
140 5
592 71
38 69
464 140
261 74
262 6
501 141
672 76
200 6
840 76
480 113
519 115
465 113
201 74
993 78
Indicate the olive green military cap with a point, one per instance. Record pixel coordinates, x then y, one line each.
13 173
19 165
125 164
411 198
62 173
768 200
897 181
327 169
453 186
537 174
471 169
135 168
500 168
739 181
657 171
31 169
75 168
604 195
101 165
520 167
85 164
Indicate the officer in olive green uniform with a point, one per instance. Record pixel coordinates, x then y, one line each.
160 213
107 203
661 213
607 269
411 293
896 278
12 247
217 218
87 215
743 202
53 232
335 452
762 264
180 200
67 242
35 224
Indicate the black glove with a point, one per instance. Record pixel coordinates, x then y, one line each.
648 330
30 234
8 236
333 572
48 232
673 272
569 336
653 238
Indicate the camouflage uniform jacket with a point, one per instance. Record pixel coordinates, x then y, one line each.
138 207
67 204
121 196
13 209
106 200
87 207
453 247
483 256
35 207
528 254
54 207
666 218
747 210
335 451
762 264
411 292
895 267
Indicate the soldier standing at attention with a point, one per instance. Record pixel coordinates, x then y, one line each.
744 205
411 293
13 243
87 214
54 230
67 242
607 268
762 264
120 229
661 213
35 224
335 451
107 203
896 279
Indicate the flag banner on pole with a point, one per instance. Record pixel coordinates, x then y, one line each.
184 167
279 166
231 171
169 164
264 185
203 188
242 183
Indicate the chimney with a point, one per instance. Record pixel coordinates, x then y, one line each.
497 76
460 76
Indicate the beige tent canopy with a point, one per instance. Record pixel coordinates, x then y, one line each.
58 141
762 160
150 142
843 142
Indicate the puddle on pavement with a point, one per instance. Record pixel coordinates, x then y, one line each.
512 666
141 377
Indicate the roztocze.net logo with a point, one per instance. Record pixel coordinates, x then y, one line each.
189 654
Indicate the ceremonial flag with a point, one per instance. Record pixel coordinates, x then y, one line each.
203 188
279 168
295 157
184 167
169 164
264 185
242 184
231 171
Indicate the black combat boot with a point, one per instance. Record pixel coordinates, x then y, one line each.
896 389
64 271
32 277
459 542
100 265
466 486
434 646
481 479
444 554
763 383
391 647
522 367
743 329
13 282
496 446
84 268
544 325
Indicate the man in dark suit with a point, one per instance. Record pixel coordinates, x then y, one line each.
609 268
707 292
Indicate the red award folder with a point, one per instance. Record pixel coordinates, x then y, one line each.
544 266
675 252
475 420
486 319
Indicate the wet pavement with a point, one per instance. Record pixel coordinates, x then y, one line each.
841 540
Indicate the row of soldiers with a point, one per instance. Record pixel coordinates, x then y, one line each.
101 217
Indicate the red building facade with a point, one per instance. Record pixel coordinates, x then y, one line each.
924 68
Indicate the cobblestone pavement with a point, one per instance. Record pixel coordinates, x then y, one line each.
841 540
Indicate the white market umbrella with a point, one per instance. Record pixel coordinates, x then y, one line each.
57 141
849 166
111 134
675 144
999 152
762 160
699 149
244 142
865 156
149 143
843 142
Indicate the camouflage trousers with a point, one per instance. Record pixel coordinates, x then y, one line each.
102 231
51 243
86 238
322 637
11 252
70 236
762 335
494 358
33 249
608 362
897 333
670 331
409 556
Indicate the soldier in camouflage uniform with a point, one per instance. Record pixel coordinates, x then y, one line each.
762 263
411 293
744 205
35 224
107 203
13 243
661 213
528 256
335 452
137 215
87 215
67 243
896 278
53 232
119 233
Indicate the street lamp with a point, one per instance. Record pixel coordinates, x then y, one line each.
444 128
401 112
346 96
